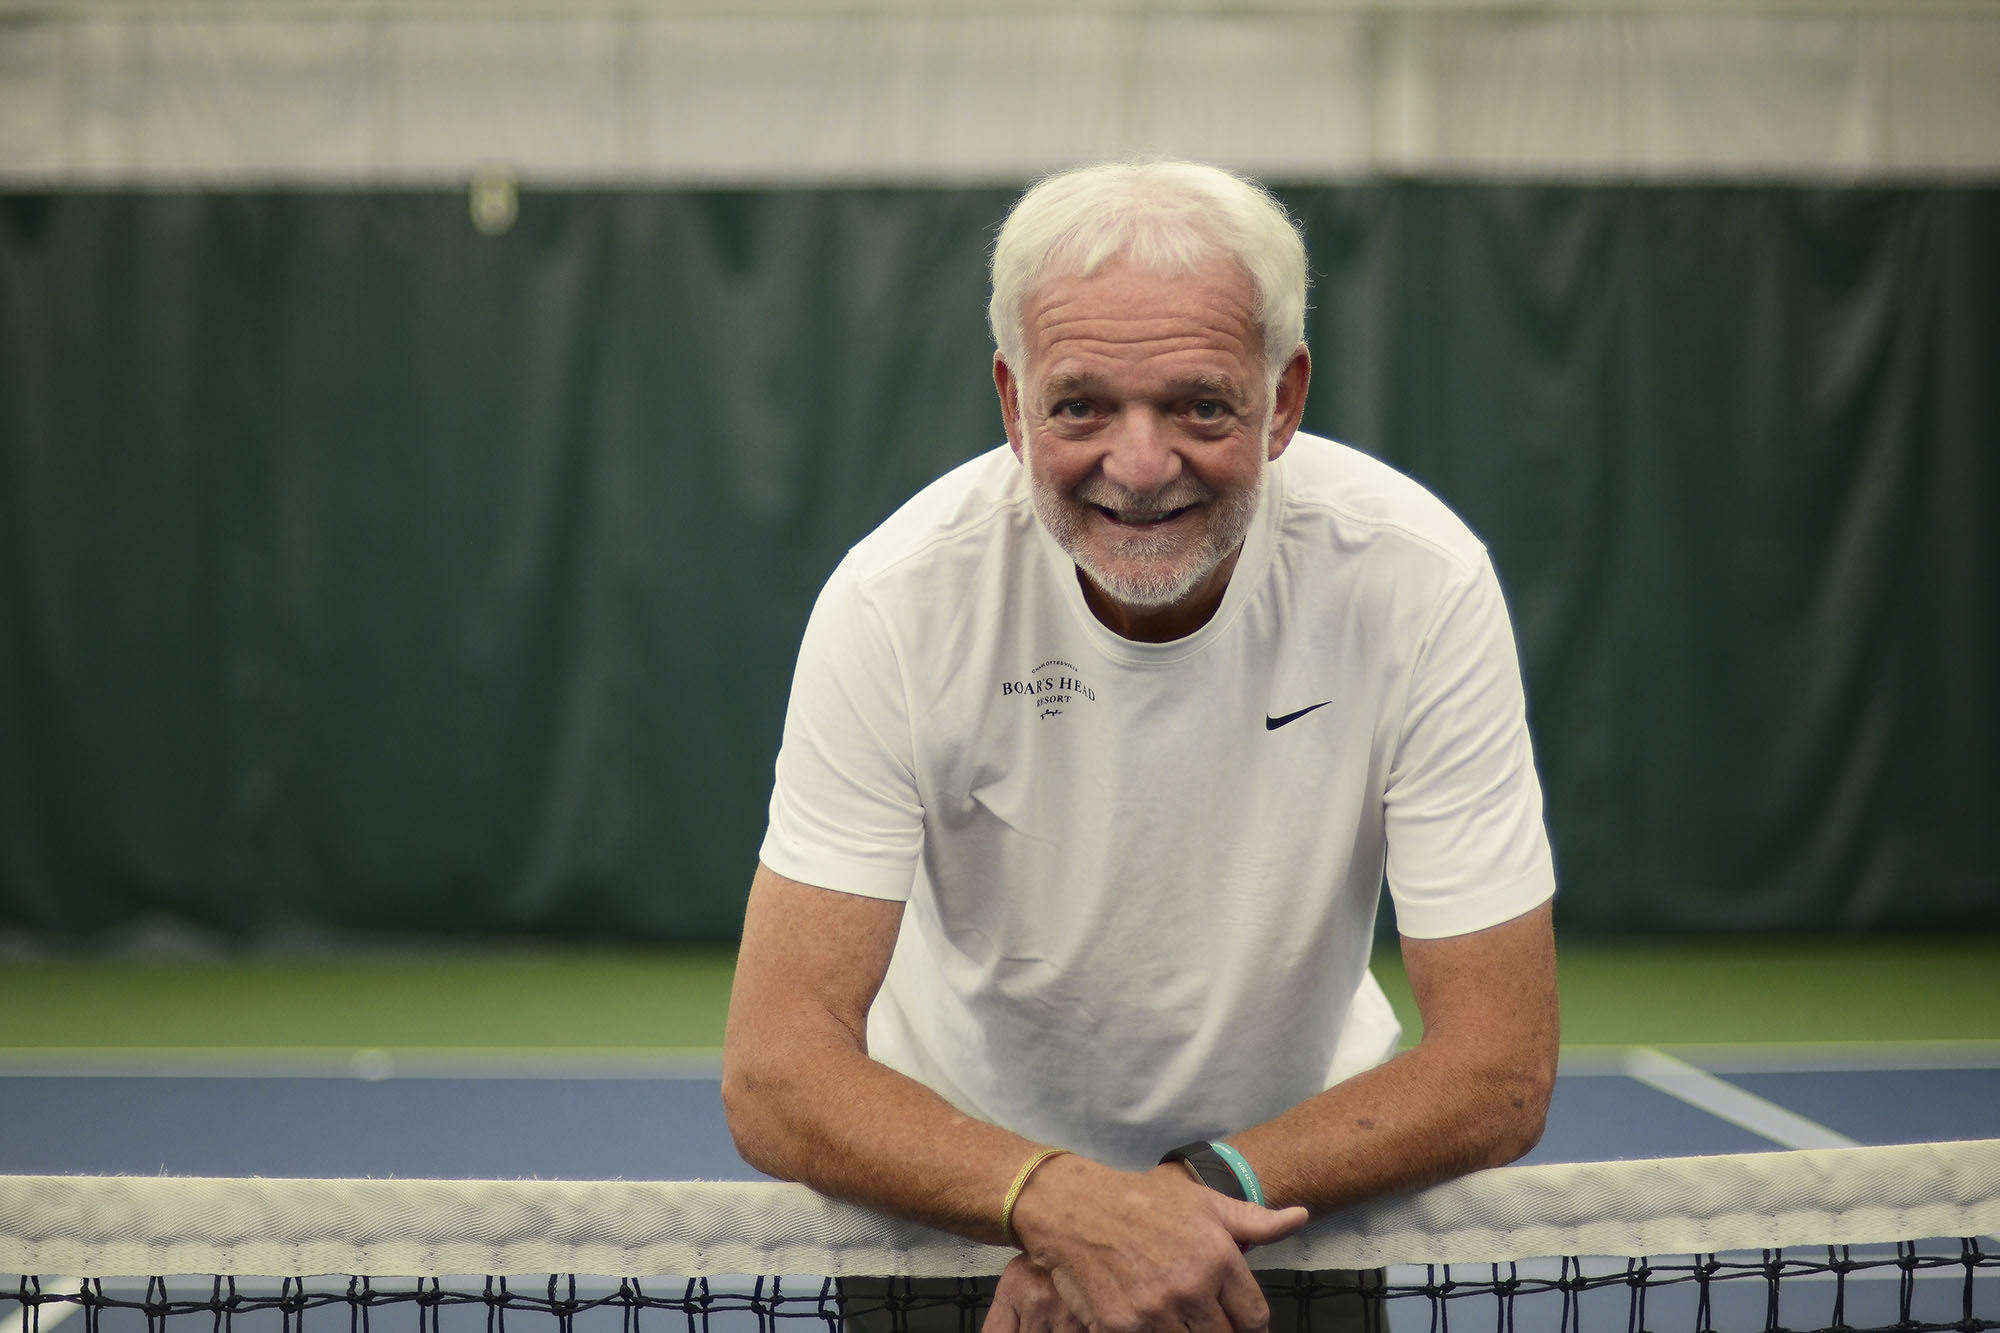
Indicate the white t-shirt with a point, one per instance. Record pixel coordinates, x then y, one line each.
1140 899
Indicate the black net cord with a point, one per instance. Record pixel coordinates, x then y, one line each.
1932 1286
1509 1288
1971 1256
1635 1278
1906 1283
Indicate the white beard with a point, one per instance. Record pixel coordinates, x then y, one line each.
1150 570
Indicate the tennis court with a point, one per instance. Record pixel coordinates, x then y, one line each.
539 1069
603 1065
425 431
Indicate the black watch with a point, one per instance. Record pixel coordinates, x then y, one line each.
1215 1172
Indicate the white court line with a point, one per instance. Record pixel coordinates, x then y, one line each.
46 1316
1816 1057
1726 1101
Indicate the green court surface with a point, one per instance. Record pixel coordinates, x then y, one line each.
667 1000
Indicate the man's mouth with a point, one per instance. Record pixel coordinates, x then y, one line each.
1140 518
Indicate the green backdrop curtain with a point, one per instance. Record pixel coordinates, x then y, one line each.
363 571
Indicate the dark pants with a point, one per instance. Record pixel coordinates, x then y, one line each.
1329 1301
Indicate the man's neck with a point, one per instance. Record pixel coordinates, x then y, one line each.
1161 624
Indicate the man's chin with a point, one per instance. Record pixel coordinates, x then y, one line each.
1142 586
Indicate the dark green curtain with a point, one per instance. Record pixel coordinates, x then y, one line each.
362 571
1735 453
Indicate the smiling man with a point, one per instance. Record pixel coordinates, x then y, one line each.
1145 434
1099 751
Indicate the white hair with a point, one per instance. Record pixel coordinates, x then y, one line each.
1165 217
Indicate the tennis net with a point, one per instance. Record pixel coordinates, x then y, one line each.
1864 1238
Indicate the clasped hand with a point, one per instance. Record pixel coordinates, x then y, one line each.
1122 1252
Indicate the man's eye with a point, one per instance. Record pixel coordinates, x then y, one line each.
1076 409
1209 409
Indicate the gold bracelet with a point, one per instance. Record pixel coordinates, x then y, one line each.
1021 1183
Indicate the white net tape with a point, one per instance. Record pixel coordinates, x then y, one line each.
124 1226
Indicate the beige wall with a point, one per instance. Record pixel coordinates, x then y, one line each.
894 91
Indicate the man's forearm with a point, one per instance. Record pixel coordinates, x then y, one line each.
855 1129
1412 1122
1473 1093
804 1100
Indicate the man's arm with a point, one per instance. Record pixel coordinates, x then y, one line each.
1472 1093
803 1099
805 1102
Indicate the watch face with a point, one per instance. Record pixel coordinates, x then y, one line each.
1211 1168
1221 1168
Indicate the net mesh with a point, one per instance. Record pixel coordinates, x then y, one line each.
1865 1238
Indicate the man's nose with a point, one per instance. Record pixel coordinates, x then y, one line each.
1141 455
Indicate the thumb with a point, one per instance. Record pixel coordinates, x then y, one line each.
1250 1224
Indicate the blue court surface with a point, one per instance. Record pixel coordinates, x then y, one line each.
371 1114
380 1114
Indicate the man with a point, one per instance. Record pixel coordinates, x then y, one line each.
1098 751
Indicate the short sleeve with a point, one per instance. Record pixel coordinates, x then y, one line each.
1463 805
844 809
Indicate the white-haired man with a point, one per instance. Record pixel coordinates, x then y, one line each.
1097 755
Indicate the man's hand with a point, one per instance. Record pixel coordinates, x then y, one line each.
1127 1252
1026 1301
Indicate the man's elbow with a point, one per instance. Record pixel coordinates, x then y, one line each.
1523 1132
1522 1113
746 1109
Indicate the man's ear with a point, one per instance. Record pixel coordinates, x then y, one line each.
1288 406
1009 390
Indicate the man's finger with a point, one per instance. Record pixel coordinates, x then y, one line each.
1026 1301
1001 1317
1252 1225
1243 1303
1222 1312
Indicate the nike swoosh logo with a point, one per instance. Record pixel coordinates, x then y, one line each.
1273 723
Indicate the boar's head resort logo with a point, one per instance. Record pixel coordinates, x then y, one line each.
1050 689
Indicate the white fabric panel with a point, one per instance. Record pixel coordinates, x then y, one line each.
839 98
1794 86
1262 94
545 95
253 96
31 112
1543 92
1940 93
229 96
99 100
141 1225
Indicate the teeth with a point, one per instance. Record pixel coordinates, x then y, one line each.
1143 519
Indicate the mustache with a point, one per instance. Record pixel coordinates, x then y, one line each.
1177 495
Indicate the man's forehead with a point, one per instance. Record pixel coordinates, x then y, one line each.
1202 321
